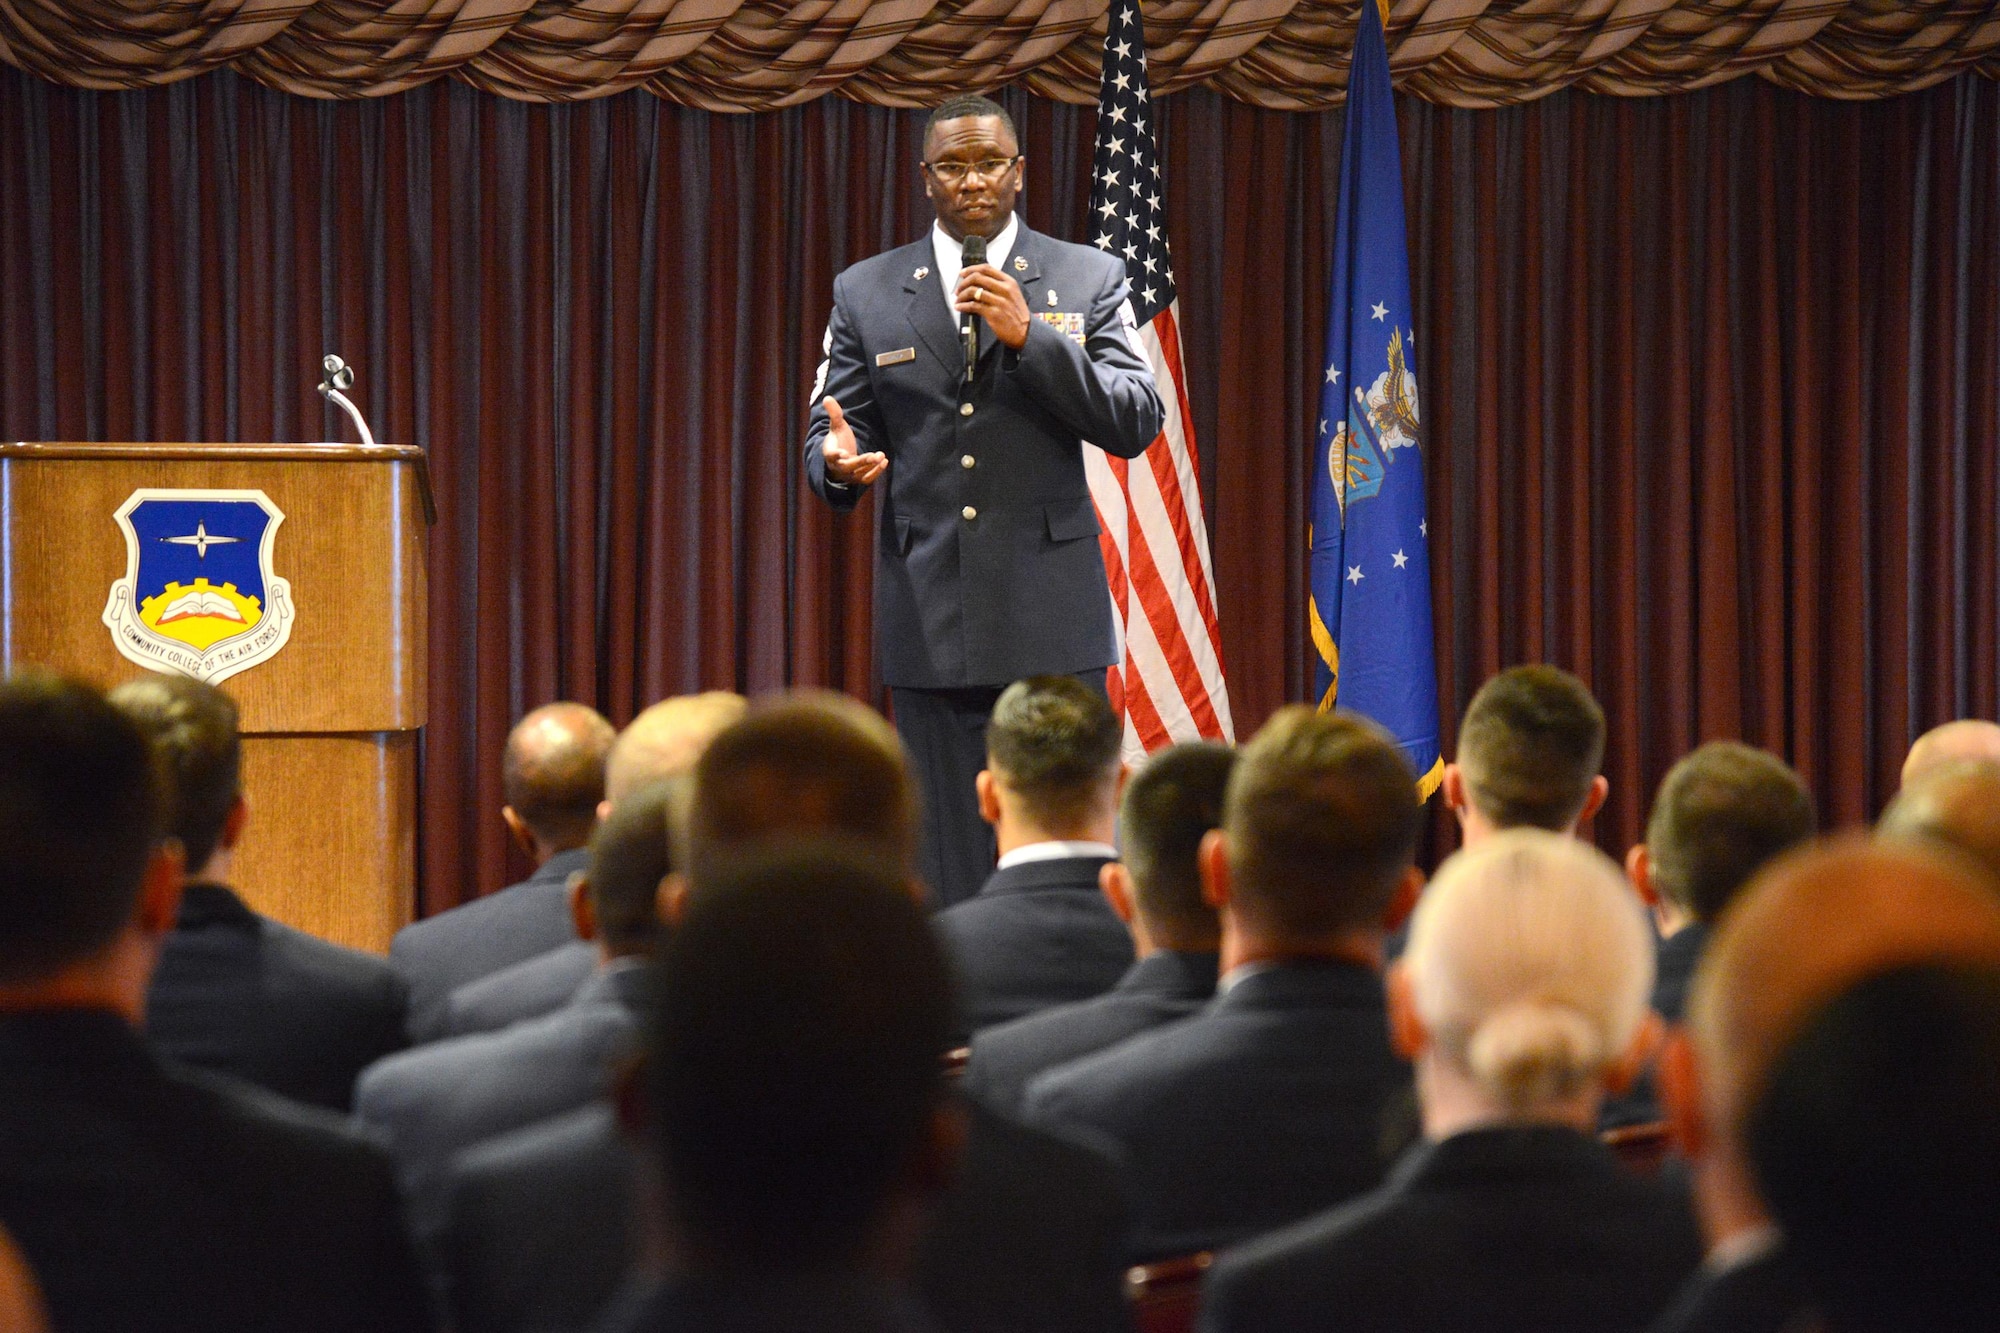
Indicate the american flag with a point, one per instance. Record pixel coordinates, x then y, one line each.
1168 684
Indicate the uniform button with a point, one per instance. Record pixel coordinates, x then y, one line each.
970 513
965 409
966 461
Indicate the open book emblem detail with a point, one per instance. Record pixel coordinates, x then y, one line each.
199 596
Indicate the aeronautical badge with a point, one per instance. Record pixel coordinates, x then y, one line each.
1020 264
1066 322
922 272
199 596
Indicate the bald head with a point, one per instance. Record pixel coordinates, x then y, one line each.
552 772
1968 738
1807 928
667 739
1957 806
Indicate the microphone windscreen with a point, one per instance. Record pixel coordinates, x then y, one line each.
974 251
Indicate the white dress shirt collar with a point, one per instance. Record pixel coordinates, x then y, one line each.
1055 851
951 254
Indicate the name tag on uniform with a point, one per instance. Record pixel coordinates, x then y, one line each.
1064 322
897 357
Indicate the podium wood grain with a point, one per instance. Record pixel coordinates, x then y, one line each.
330 723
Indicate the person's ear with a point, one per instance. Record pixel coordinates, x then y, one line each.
934 1164
233 823
1115 881
1600 787
1212 860
581 915
160 889
1407 1033
1639 869
604 810
1404 901
670 899
1453 787
988 788
1678 1077
517 828
1645 1046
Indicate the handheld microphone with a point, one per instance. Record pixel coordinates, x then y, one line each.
974 253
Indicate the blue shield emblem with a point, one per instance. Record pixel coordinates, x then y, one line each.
199 596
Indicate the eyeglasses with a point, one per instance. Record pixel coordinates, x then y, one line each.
951 173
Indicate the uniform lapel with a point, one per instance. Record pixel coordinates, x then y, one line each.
927 312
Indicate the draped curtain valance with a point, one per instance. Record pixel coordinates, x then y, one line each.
757 55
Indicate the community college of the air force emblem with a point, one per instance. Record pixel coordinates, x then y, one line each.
199 596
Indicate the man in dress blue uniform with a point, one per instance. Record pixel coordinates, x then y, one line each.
987 565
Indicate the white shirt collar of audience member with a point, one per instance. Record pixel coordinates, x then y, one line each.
1055 851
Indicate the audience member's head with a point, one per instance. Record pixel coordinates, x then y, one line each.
1720 814
1169 806
794 1063
552 777
1808 926
1954 805
192 728
1052 769
1529 751
667 739
1951 743
812 764
1877 1143
90 888
1319 830
616 901
1522 994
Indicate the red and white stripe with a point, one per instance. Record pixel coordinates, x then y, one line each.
1168 683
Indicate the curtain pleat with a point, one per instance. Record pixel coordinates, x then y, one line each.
1711 383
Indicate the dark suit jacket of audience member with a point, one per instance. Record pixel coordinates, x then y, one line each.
1157 989
768 1302
1678 954
150 1196
434 1102
1029 1240
1266 1107
1508 1230
1764 1294
441 953
528 989
241 994
1037 934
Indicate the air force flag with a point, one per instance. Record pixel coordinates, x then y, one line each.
199 596
1370 605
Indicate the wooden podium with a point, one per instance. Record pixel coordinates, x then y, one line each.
330 722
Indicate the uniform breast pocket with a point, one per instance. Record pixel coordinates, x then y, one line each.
1070 520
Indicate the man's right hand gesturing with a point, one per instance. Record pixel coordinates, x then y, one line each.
842 463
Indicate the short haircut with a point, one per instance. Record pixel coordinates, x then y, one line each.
1530 746
1951 743
1322 820
629 856
667 739
794 1054
1877 1146
552 770
82 807
811 764
1169 805
1954 805
1720 814
966 106
1054 741
193 730
1530 963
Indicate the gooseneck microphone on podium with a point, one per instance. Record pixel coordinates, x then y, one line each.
339 376
974 253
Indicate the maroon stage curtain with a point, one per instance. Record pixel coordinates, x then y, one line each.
1711 382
